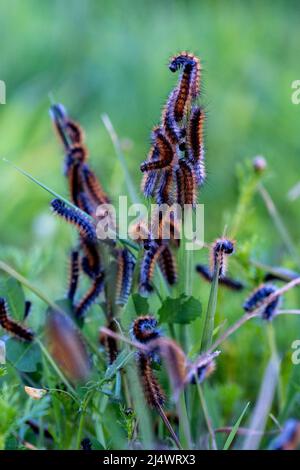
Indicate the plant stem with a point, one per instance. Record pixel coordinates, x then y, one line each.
206 415
208 326
274 354
184 427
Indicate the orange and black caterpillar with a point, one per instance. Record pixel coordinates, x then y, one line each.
69 131
190 78
126 264
109 343
232 284
220 250
186 183
93 186
164 192
74 275
11 326
174 132
167 265
147 266
145 329
258 296
91 261
164 150
90 297
152 389
85 227
195 143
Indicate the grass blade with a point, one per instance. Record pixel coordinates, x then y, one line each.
235 429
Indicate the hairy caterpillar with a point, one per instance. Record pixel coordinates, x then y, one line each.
164 192
186 183
145 329
164 151
192 63
74 275
109 343
91 261
169 122
147 266
195 142
85 227
167 265
126 264
152 389
11 326
258 296
226 281
289 437
220 250
90 297
94 187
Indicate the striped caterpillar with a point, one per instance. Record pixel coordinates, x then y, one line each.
232 284
11 326
220 250
126 264
164 151
195 143
189 82
84 226
90 297
74 275
258 296
186 183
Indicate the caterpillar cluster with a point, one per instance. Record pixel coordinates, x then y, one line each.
232 284
144 330
87 194
11 326
220 250
258 296
175 165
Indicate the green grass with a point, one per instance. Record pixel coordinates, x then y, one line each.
110 58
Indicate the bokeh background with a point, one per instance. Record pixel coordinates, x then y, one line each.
111 57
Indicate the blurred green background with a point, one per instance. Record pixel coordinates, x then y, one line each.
111 57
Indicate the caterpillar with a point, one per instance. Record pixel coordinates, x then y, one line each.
167 265
220 250
258 296
289 437
195 143
153 392
165 153
90 297
91 261
192 63
186 183
126 265
58 115
74 275
85 227
147 266
75 182
174 132
145 329
281 274
228 282
93 186
85 203
11 326
164 193
203 372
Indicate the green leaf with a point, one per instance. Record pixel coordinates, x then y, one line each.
235 429
23 356
12 291
183 310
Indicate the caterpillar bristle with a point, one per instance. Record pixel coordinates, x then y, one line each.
74 275
169 121
91 260
90 297
145 329
84 226
258 296
11 326
186 183
190 61
165 154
